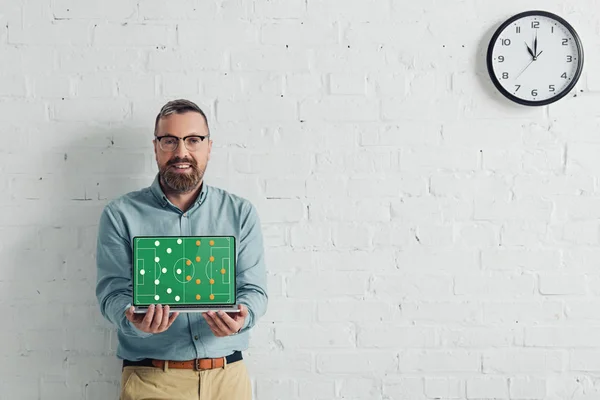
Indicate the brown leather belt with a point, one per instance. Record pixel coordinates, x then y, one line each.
198 364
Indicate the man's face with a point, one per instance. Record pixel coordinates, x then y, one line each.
186 179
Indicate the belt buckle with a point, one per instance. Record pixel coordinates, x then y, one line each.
197 364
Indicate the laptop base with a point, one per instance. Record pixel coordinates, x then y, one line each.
201 309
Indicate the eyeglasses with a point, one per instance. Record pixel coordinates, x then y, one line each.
170 143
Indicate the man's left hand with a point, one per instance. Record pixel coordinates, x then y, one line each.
225 324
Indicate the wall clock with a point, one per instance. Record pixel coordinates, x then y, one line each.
535 58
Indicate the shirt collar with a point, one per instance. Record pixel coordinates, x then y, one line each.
162 198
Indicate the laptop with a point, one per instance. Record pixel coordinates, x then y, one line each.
187 273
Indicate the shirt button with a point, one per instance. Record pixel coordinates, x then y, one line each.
185 214
196 337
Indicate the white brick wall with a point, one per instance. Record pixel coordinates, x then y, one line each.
425 238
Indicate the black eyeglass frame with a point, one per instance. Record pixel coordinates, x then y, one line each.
202 138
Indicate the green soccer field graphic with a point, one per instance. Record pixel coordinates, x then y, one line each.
184 270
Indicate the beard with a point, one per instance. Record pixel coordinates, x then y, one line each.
181 182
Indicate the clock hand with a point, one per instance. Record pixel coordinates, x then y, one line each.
529 50
539 54
535 45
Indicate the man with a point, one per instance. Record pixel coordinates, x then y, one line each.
179 203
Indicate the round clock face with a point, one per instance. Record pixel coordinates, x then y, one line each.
535 58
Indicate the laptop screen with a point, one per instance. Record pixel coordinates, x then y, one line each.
184 270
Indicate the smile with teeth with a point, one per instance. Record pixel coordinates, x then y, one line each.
181 166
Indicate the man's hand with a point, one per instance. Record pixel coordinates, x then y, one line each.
156 319
225 324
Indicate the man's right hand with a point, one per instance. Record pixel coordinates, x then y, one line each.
156 319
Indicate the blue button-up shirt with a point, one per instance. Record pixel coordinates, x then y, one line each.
148 212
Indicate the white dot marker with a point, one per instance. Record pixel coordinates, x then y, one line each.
176 298
156 259
142 272
156 297
169 290
169 250
178 241
157 282
157 243
178 271
164 270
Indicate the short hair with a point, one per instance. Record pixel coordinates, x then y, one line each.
179 106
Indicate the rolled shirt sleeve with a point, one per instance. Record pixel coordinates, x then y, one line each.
251 270
114 289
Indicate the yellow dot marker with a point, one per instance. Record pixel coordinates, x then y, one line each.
197 281
212 281
197 297
212 296
188 278
197 243
212 242
188 262
223 271
198 259
212 258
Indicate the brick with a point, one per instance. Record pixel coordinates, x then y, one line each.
402 387
100 59
562 284
353 310
299 33
363 211
415 286
521 361
438 312
186 9
276 388
285 188
310 236
282 210
562 337
522 312
321 284
365 11
451 388
351 236
527 388
269 9
268 58
403 134
12 86
391 336
111 9
358 388
280 109
51 33
133 34
316 336
476 337
520 260
347 84
234 34
502 286
179 85
491 387
375 362
412 361
339 108
91 109
304 83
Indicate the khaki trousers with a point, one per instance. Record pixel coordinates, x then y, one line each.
144 383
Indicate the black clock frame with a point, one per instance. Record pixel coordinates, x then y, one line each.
514 98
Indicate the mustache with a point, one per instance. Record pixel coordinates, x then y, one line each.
178 160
